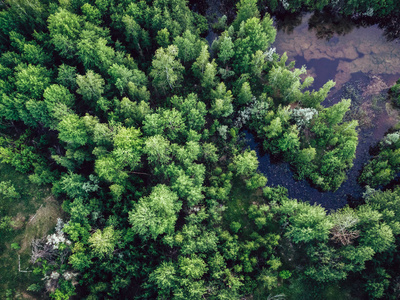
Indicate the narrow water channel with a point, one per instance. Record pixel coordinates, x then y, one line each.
364 64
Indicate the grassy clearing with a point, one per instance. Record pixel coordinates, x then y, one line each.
34 215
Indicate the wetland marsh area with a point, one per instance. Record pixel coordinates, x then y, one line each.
364 63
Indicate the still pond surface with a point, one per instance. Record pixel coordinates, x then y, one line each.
364 64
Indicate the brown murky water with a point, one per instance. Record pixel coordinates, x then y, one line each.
364 50
364 65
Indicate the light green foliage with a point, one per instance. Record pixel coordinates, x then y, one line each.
65 23
286 83
209 152
103 242
222 107
15 246
330 131
72 185
5 224
65 28
387 204
290 141
166 69
155 214
77 230
285 274
57 100
176 17
72 130
306 223
328 271
256 181
30 51
135 34
209 79
246 163
91 13
382 169
274 129
195 237
93 51
258 63
139 93
56 95
133 113
304 162
163 39
173 124
315 98
79 212
193 192
90 86
127 145
79 261
193 111
252 36
169 122
17 153
67 76
35 287
157 149
65 292
125 157
125 79
164 277
246 9
245 95
226 51
220 24
189 46
379 238
222 104
7 190
199 66
31 80
322 157
267 279
334 114
192 267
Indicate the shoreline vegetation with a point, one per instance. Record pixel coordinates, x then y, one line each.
124 173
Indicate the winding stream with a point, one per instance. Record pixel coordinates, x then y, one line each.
364 65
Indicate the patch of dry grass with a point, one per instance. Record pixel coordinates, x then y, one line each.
34 215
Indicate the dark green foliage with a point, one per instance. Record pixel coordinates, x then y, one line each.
134 122
383 168
395 93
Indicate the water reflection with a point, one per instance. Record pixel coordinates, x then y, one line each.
391 26
325 25
356 49
287 22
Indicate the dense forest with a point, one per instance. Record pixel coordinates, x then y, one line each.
133 122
